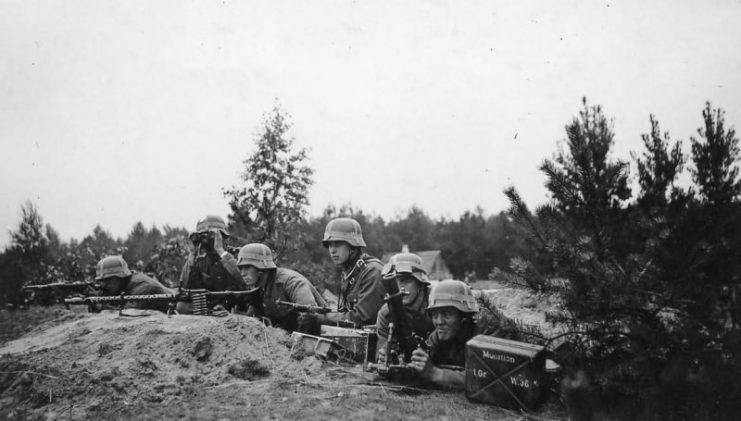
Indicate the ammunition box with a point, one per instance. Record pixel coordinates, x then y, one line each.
358 345
314 345
505 373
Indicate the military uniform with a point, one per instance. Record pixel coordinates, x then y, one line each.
361 291
212 273
291 286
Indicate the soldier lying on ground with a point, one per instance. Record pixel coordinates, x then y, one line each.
361 291
452 308
209 266
412 280
114 278
256 265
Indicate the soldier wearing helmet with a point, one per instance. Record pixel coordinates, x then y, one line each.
255 262
209 266
114 277
411 276
361 292
452 308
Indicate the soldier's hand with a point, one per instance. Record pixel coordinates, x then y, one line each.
218 242
308 323
421 362
381 356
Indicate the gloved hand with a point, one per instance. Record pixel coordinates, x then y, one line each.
308 323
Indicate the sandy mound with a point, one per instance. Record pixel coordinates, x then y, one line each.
80 366
151 358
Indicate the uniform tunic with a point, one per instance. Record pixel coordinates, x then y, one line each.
212 273
361 291
291 286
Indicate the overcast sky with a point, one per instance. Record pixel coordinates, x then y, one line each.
114 112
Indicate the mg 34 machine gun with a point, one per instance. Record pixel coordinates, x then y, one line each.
201 300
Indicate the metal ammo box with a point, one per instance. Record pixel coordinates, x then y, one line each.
505 373
314 345
357 344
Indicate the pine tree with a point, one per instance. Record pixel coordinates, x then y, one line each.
658 168
716 159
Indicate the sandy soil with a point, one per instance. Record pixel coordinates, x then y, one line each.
148 365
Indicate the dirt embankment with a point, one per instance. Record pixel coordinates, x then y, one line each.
87 366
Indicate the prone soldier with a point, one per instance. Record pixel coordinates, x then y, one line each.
277 286
115 278
452 308
407 270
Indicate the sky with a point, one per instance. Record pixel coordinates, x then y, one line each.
116 112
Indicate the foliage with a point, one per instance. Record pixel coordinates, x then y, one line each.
275 183
650 291
716 168
658 167
25 259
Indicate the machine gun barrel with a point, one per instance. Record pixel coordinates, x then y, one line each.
59 286
305 308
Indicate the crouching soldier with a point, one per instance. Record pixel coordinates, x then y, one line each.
361 291
452 308
114 278
411 277
209 266
276 284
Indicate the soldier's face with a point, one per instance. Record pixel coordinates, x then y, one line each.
447 321
410 285
112 285
250 274
339 252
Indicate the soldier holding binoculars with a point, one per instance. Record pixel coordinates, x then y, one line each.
209 266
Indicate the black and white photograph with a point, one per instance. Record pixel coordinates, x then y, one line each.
370 210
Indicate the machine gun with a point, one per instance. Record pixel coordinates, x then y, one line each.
46 294
199 298
304 308
400 332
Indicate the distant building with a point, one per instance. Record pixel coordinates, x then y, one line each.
437 269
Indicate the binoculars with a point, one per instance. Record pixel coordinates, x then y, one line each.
204 238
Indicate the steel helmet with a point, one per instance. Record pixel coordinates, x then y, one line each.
453 294
112 266
212 221
344 229
257 255
406 263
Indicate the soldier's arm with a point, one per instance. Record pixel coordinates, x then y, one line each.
185 273
235 278
382 330
443 377
299 291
